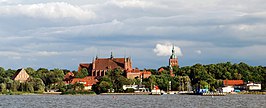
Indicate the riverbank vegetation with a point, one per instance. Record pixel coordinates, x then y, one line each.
186 78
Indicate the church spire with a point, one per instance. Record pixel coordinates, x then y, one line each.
96 57
173 56
112 55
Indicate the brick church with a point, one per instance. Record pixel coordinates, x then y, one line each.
173 61
100 66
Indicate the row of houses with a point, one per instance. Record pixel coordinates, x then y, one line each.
239 85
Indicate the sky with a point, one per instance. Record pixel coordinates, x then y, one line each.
63 33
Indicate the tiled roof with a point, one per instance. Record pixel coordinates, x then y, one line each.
15 75
134 70
108 63
89 80
161 70
146 72
68 76
232 82
84 65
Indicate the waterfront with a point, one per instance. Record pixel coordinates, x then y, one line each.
135 101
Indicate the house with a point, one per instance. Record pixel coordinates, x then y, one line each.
233 85
21 75
68 77
228 89
161 69
87 81
253 87
136 73
233 82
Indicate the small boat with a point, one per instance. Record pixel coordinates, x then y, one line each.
156 91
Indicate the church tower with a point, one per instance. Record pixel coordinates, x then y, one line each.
173 61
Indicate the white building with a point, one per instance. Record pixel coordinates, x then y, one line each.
228 89
253 86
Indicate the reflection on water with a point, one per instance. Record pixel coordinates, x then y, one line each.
136 101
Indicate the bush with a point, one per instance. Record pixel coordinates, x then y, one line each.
129 90
72 92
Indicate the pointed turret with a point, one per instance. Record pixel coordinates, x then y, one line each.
96 57
173 61
173 56
112 55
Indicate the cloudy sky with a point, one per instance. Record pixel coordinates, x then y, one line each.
64 33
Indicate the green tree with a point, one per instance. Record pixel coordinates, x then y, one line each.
104 86
15 86
3 87
30 71
10 73
81 74
38 84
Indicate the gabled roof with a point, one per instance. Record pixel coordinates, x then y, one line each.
109 63
16 74
232 82
134 70
89 80
21 75
68 76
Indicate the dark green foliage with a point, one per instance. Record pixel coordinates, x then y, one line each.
213 72
129 90
36 83
81 74
114 79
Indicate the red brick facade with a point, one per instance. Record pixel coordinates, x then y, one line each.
100 66
136 73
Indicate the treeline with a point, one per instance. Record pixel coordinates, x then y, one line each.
186 78
213 73
39 81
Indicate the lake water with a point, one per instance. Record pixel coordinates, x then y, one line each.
133 101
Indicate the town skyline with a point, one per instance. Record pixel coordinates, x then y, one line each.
63 33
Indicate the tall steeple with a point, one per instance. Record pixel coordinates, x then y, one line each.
173 61
112 55
173 56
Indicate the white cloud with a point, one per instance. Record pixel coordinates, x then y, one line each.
198 52
132 3
8 53
166 50
38 30
47 53
53 10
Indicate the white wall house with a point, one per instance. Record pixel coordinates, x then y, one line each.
228 89
253 86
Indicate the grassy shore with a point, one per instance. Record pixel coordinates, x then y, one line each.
20 93
78 93
255 93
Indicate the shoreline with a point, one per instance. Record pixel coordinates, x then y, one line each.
138 93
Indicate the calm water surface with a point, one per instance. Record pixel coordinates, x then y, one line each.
133 101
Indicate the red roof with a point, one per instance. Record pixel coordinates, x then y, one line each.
84 65
69 76
88 81
161 70
108 63
134 70
232 82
